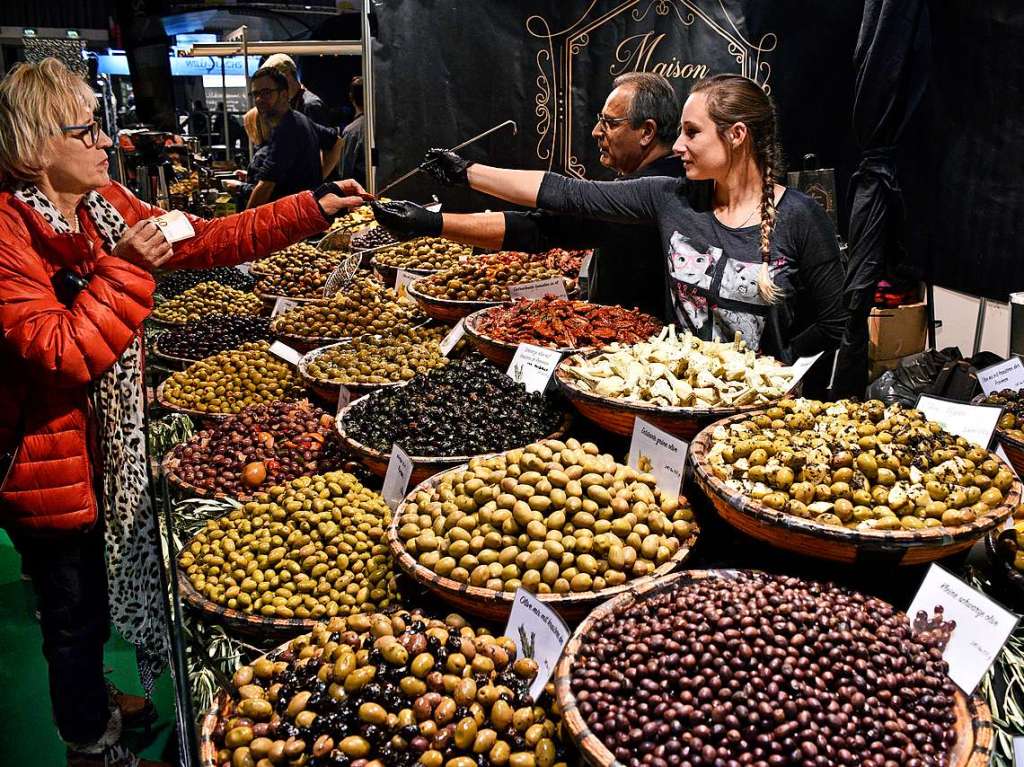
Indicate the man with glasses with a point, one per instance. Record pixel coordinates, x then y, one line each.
635 131
301 153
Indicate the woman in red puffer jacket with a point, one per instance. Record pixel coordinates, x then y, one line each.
77 254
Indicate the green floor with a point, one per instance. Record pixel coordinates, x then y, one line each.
28 737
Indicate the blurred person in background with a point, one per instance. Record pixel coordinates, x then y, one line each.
300 98
353 153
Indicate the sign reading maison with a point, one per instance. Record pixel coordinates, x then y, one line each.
636 53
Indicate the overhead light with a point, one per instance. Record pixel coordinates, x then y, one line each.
28 32
72 33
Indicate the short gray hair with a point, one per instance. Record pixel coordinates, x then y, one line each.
654 98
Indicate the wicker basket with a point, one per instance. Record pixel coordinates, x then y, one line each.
270 300
499 352
618 416
496 605
973 718
169 360
839 544
1003 570
329 390
445 310
388 274
423 467
197 414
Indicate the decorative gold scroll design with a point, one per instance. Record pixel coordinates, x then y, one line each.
553 102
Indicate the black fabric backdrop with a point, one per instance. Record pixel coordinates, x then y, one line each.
446 71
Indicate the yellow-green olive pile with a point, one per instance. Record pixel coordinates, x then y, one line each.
381 690
865 466
428 253
363 307
553 517
205 299
313 548
482 279
299 256
231 381
381 360
1012 420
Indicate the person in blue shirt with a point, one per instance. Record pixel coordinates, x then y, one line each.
300 153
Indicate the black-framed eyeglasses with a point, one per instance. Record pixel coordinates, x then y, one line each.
90 130
609 122
264 93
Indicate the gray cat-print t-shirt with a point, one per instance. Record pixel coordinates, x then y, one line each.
713 268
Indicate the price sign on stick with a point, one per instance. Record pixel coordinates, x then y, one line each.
454 336
659 453
539 633
283 305
396 480
1002 375
800 368
344 398
975 423
285 352
245 269
532 366
403 279
554 286
971 628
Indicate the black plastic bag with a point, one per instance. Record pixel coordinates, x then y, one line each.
914 376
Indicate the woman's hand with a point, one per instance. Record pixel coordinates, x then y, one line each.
144 245
339 196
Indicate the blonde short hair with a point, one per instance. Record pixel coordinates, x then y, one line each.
36 100
283 63
255 127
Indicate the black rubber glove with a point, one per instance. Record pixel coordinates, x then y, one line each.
406 220
446 166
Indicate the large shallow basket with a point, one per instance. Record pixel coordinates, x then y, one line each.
423 467
169 360
198 414
618 417
388 274
444 309
973 718
498 352
270 300
496 605
329 390
1003 571
1014 450
838 544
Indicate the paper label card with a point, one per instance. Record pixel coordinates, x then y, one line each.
975 423
175 226
1018 751
454 336
801 366
1002 454
344 398
1002 375
283 305
396 480
539 633
245 269
659 453
972 627
285 352
554 286
532 366
403 279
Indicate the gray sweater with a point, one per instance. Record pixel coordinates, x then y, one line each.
713 268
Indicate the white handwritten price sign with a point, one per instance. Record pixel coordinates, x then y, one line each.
539 634
403 279
454 336
285 352
553 286
283 305
532 366
977 627
800 368
659 453
344 398
1002 375
1018 751
396 480
975 423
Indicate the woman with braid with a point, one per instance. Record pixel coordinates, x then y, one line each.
745 255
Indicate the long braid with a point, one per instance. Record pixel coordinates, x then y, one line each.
768 160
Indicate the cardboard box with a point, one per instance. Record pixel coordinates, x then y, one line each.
895 333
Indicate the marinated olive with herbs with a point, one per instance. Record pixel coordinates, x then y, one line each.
312 548
468 407
1012 420
381 360
348 694
554 517
231 381
764 670
212 335
205 299
861 465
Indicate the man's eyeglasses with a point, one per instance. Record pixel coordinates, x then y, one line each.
264 93
89 130
609 122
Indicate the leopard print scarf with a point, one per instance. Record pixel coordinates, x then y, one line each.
132 536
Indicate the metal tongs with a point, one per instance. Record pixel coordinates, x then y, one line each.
418 168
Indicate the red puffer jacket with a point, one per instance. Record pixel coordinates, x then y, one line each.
50 354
